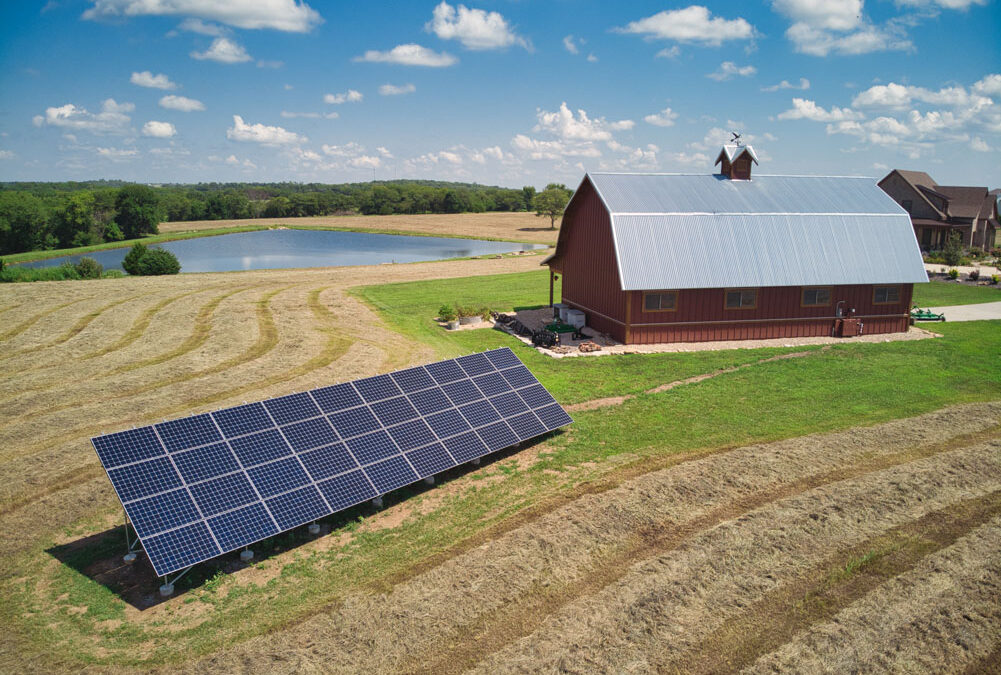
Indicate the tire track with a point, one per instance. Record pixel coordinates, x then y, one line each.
25 325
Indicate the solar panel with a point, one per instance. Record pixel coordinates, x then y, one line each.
197 487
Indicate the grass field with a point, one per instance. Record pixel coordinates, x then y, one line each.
654 522
944 294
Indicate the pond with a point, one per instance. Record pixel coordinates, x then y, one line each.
278 249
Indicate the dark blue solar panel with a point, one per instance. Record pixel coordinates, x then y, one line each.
161 512
244 526
347 490
180 548
129 446
447 423
412 379
329 461
461 392
394 411
429 401
536 396
310 434
261 447
232 473
412 435
553 416
479 413
354 422
492 384
372 447
502 358
377 388
509 404
526 425
298 507
430 460
497 436
390 474
207 462
519 377
277 477
293 408
466 447
243 419
223 493
188 432
475 364
337 397
446 371
134 481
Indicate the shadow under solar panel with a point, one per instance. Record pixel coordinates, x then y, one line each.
197 487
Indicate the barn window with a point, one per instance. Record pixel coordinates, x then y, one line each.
816 297
742 298
663 301
885 295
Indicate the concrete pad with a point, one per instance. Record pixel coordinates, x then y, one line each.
982 312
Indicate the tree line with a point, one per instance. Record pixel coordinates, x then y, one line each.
40 216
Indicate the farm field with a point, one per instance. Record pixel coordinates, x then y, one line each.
726 524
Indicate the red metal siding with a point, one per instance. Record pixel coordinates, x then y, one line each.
701 316
590 271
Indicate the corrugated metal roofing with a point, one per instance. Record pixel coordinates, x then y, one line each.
705 231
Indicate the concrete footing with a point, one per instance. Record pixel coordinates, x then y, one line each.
377 502
314 528
476 462
166 590
429 480
129 557
246 555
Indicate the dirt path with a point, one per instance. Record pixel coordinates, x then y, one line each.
566 590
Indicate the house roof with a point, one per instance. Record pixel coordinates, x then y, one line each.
733 151
920 182
964 202
675 231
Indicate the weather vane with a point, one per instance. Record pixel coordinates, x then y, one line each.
736 137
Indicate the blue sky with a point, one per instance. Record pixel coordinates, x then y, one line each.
508 93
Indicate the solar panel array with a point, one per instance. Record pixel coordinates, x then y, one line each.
198 487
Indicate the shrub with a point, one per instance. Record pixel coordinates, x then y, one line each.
994 279
953 251
974 274
131 262
113 274
158 261
484 313
954 274
447 313
88 268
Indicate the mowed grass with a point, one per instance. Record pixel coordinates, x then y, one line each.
944 294
65 618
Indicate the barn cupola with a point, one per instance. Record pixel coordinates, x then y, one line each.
736 159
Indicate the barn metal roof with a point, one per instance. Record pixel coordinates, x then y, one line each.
676 231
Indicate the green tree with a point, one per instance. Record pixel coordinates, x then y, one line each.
953 250
139 211
159 261
24 223
88 268
551 202
528 196
74 223
132 259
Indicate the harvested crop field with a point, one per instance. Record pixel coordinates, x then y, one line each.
641 539
526 227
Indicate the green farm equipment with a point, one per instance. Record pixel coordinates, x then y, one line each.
918 314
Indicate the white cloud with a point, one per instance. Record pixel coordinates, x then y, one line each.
591 58
729 69
156 129
475 28
233 160
819 42
691 24
672 52
410 55
397 90
665 118
944 4
259 133
223 50
7 154
309 115
564 124
690 159
350 96
116 154
621 125
989 85
351 149
569 45
148 79
536 149
284 15
384 152
202 28
806 109
979 145
829 14
113 118
182 103
274 65
804 84
895 95
365 162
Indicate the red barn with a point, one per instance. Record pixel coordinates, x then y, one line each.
685 258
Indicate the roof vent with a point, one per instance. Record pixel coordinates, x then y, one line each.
736 159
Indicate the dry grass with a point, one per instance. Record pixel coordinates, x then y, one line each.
511 226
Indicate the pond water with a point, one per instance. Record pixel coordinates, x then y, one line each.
277 249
